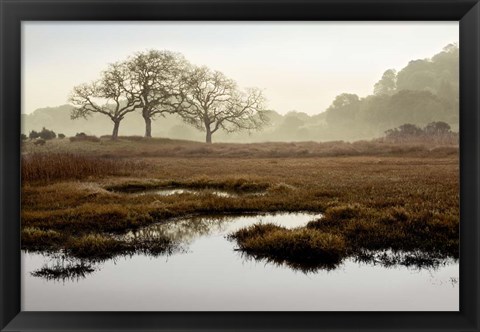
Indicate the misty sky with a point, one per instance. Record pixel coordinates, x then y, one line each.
300 66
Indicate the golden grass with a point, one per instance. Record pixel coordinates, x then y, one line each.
297 246
407 200
392 228
38 239
94 245
59 166
233 184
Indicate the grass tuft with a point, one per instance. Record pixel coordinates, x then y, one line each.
294 247
37 239
95 246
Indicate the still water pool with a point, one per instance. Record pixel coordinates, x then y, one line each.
209 274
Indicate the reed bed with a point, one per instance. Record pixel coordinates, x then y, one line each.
61 166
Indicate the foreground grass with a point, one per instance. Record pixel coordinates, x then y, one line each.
92 245
299 248
384 201
419 239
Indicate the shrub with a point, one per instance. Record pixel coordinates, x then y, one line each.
434 132
23 137
33 134
61 136
47 134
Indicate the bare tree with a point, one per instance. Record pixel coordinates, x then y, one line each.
155 83
210 101
111 95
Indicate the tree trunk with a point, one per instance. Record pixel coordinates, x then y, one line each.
148 126
209 135
116 125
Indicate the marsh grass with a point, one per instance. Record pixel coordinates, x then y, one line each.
88 218
387 197
295 246
59 166
98 247
95 246
134 146
389 237
392 228
233 184
37 239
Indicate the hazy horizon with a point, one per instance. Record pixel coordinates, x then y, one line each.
301 66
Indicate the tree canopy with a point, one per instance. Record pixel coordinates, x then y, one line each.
212 101
154 79
163 82
111 95
425 91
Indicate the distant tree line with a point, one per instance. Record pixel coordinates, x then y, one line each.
437 132
424 91
156 83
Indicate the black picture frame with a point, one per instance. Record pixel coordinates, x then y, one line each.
467 12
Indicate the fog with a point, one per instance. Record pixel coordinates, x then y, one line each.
301 66
322 80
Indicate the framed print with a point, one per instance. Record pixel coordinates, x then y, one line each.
203 165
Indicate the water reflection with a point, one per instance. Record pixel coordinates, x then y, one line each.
187 229
179 232
209 274
178 191
413 259
63 268
183 232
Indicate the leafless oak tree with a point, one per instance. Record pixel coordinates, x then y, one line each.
155 83
210 101
110 95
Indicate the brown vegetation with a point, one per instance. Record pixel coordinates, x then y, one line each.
137 147
406 200
84 138
61 166
295 247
